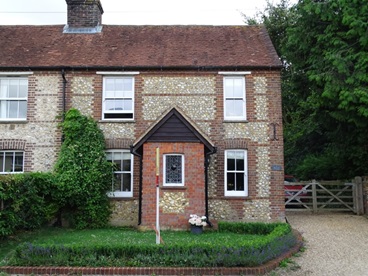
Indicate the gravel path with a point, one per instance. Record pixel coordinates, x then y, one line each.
336 244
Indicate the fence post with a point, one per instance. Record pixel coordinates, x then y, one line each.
314 195
358 196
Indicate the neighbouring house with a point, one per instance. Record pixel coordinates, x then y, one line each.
208 97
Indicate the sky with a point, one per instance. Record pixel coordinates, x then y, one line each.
136 12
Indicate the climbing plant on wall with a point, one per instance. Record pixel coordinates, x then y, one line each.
83 174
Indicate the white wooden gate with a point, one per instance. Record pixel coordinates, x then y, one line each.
325 196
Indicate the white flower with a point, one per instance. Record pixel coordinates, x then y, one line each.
197 220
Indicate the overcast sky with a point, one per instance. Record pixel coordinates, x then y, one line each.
135 12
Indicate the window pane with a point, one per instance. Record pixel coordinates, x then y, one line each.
128 84
173 169
9 161
229 92
238 88
128 105
240 164
230 181
22 109
240 181
13 109
230 164
23 88
234 108
109 85
126 182
109 156
13 88
18 162
119 85
117 182
126 162
109 105
118 156
4 89
119 105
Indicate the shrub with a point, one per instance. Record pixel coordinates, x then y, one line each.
26 201
211 249
83 173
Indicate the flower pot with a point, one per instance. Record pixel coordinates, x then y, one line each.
194 229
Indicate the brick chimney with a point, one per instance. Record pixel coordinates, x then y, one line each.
84 15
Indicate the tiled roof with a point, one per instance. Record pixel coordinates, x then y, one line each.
178 46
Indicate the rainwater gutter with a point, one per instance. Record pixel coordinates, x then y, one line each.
132 151
64 99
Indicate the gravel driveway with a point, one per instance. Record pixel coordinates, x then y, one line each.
335 244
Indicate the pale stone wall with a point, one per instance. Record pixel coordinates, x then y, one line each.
40 130
125 212
173 202
82 98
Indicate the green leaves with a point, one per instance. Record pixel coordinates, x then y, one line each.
82 172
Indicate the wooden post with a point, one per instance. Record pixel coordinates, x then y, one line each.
314 195
358 196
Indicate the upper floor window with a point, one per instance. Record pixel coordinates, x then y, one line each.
234 98
122 182
11 161
173 170
118 97
236 167
13 98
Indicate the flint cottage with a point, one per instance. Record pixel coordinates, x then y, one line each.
208 97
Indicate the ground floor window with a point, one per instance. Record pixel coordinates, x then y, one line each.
122 182
173 170
236 167
11 162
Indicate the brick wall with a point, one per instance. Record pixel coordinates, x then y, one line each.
191 195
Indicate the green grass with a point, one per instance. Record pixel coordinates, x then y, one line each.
178 246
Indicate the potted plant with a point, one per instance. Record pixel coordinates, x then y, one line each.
196 223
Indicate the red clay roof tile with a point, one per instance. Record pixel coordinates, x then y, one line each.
178 46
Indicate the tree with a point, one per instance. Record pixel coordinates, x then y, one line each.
323 45
328 45
83 174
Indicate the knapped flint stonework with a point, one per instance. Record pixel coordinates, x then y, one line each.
196 107
173 202
190 85
256 132
125 212
82 89
257 210
263 172
122 130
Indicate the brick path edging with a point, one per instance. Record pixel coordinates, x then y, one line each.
259 270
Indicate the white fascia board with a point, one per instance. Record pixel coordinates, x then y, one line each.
117 73
20 73
235 73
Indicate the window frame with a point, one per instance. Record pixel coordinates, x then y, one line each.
7 98
245 171
113 193
243 116
2 155
104 98
166 184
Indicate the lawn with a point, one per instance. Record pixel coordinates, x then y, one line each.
129 247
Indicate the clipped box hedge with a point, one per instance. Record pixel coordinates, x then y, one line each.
270 241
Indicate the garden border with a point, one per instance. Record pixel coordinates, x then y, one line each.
258 270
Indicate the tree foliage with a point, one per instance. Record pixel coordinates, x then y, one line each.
83 173
324 47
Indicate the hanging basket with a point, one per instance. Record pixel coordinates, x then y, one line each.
196 229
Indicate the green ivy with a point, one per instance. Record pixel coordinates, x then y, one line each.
82 172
